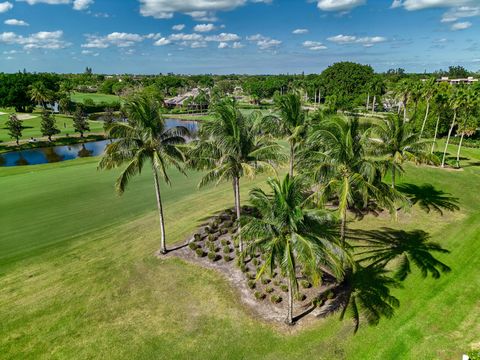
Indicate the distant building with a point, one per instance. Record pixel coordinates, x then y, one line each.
186 99
469 80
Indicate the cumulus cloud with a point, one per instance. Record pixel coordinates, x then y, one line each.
77 4
223 37
223 45
162 42
339 5
413 5
203 10
118 39
178 27
82 4
52 40
264 42
461 12
15 22
5 6
314 45
204 27
300 31
367 41
461 25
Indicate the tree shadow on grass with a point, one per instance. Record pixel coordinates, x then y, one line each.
429 198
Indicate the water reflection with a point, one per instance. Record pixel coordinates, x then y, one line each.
70 152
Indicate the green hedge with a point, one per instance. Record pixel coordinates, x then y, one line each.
470 143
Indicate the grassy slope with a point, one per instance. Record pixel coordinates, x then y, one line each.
64 124
97 98
79 280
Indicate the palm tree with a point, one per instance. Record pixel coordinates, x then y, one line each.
378 89
335 159
291 235
402 91
429 90
470 102
231 147
393 139
456 100
291 123
380 248
145 138
39 93
364 293
441 101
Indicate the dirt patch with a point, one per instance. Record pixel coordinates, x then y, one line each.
25 117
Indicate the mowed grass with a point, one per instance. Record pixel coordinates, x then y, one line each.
96 97
33 129
79 279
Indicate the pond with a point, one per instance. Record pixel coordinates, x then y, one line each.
70 152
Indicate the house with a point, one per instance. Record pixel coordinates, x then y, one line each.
469 80
186 99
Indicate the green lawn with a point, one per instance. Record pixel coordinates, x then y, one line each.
97 98
64 124
79 279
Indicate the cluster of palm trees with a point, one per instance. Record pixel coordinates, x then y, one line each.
457 107
337 166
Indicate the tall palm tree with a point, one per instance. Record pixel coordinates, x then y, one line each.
145 139
378 89
39 93
429 89
457 98
441 102
402 91
470 102
335 158
292 235
290 123
231 147
393 139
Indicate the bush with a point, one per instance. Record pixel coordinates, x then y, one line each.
197 237
200 252
211 237
226 249
212 256
474 355
275 299
300 297
259 295
265 281
305 284
251 276
269 289
277 282
284 288
251 284
255 262
225 242
193 246
244 268
227 258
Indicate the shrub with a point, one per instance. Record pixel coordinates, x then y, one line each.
227 258
265 281
300 297
251 276
269 289
212 256
244 268
330 295
251 284
255 262
277 282
193 246
197 237
225 242
259 295
200 252
305 284
275 299
226 249
211 237
474 355
284 288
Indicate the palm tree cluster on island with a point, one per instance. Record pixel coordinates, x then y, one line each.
337 168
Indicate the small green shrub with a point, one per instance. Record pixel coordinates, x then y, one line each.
300 297
197 237
306 284
259 295
251 276
212 256
226 249
474 355
255 262
200 252
227 258
244 268
251 284
225 242
265 281
193 246
269 289
275 299
284 288
277 282
211 237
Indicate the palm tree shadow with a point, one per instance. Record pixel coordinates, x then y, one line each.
429 198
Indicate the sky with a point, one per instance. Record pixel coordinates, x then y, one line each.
236 36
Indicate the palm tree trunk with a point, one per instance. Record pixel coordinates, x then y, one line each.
292 158
343 228
425 119
374 101
448 137
236 184
290 300
435 136
393 176
163 246
368 101
459 148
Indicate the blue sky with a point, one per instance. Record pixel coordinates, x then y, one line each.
236 36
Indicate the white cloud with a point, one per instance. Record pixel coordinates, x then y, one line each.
223 45
77 4
82 4
186 37
455 14
339 5
178 27
314 45
413 5
90 52
223 37
52 40
119 39
204 27
15 22
237 45
162 42
5 6
202 10
461 25
367 41
264 42
300 31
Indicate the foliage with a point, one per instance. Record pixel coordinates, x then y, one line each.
15 127
48 125
80 123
